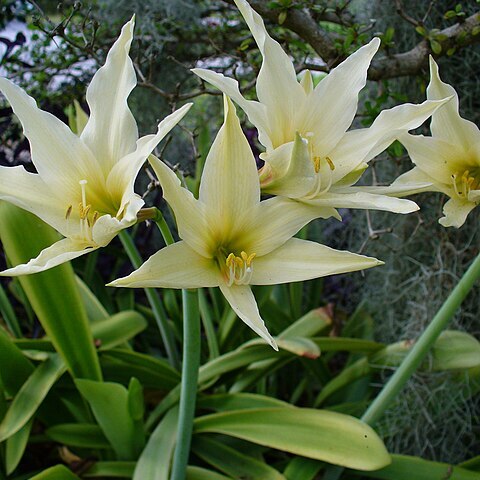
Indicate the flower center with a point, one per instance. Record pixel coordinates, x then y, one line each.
239 270
466 181
87 218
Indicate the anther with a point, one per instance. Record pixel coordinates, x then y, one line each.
69 211
330 163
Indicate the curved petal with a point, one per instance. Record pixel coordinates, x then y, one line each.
175 266
111 130
122 177
299 260
242 301
58 253
344 198
277 85
447 123
229 185
28 191
61 158
107 227
275 221
255 111
358 146
456 213
189 212
434 156
289 170
330 109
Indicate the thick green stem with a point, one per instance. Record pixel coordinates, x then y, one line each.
163 227
423 345
155 302
190 365
418 353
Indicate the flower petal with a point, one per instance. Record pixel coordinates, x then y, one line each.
434 156
61 158
275 221
111 130
242 301
330 109
447 123
277 85
255 111
189 212
121 179
58 253
229 185
456 213
28 191
299 260
288 170
107 227
362 145
175 266
345 198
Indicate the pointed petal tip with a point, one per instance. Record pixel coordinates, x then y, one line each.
273 344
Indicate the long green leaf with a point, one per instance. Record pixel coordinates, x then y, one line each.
15 447
154 462
31 395
404 466
300 468
82 435
231 461
14 367
58 472
120 365
110 469
117 329
110 406
319 434
53 294
197 473
238 401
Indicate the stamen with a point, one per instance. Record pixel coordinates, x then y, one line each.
330 163
316 164
69 211
465 182
84 194
240 268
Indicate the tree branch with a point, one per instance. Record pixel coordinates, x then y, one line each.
412 62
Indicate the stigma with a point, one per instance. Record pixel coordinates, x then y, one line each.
239 270
87 218
465 182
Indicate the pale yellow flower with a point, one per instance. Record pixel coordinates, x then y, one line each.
84 184
231 239
310 156
449 160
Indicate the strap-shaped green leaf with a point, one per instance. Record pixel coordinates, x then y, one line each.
31 395
109 403
404 466
231 461
53 294
155 460
319 434
82 435
58 472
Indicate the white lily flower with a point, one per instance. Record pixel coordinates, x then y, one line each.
231 239
309 155
84 184
449 160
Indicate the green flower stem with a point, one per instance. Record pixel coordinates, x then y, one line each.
163 227
423 345
155 302
417 354
191 363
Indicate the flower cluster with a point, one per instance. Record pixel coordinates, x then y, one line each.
230 237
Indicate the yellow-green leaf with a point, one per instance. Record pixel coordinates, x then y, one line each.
319 434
